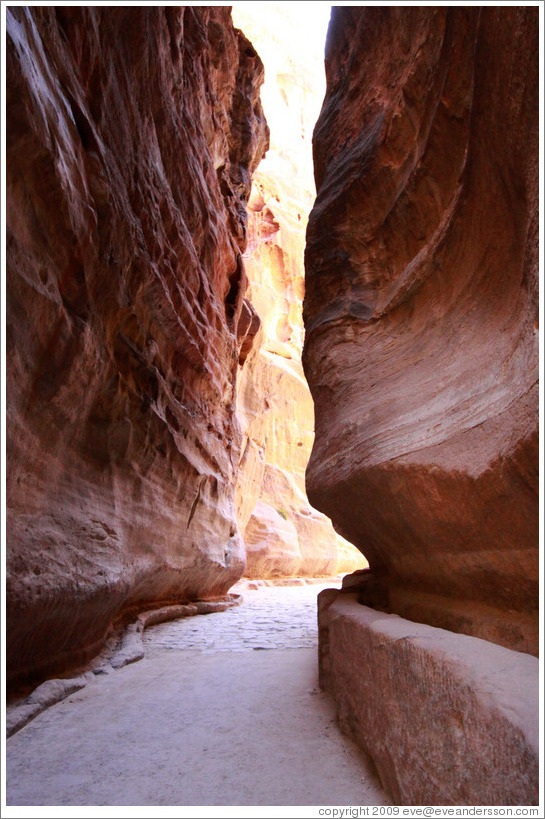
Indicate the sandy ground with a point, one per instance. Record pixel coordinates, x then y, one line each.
224 709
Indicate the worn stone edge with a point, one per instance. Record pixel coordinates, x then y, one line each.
515 705
131 650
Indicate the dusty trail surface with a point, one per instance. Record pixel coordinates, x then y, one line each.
225 709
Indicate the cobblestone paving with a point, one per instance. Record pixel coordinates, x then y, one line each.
269 617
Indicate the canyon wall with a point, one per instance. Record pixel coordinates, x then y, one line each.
283 534
132 136
421 311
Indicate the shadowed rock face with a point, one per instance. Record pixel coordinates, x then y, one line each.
132 136
421 311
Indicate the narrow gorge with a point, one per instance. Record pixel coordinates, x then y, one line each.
195 308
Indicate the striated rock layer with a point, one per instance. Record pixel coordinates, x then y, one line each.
132 136
421 311
284 535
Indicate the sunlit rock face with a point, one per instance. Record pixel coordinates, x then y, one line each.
421 311
275 405
132 136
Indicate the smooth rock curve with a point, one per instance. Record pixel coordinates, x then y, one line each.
421 307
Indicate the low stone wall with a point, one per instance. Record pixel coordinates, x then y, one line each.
448 719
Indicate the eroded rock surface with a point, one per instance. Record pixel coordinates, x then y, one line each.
132 135
421 307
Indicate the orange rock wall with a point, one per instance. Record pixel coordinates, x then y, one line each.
132 136
421 310
284 535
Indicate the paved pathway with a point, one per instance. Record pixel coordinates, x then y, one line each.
224 710
270 617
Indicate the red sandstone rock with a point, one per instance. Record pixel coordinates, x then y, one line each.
132 135
421 302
